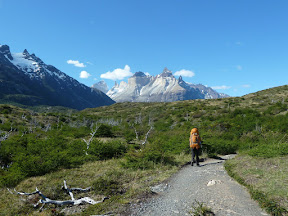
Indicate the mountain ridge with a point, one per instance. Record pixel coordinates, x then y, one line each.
163 87
27 80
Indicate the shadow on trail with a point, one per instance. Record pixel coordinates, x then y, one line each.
209 163
216 162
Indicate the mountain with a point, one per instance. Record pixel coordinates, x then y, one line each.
162 88
26 79
101 85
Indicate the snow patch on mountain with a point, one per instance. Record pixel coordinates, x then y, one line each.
22 63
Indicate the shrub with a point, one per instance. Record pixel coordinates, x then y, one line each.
267 151
104 131
150 155
220 146
107 150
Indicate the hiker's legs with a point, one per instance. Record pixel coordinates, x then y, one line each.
197 155
193 155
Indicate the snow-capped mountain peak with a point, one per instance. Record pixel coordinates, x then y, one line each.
161 88
28 80
25 63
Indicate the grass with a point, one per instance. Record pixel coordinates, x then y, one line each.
200 209
107 178
265 178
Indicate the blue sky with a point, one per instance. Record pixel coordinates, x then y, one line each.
237 47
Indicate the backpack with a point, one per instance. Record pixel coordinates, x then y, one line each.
195 140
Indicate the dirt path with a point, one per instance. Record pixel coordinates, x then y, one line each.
225 197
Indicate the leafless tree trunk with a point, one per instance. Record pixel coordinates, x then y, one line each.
93 132
23 116
136 133
146 136
6 135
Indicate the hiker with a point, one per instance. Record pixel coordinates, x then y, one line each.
195 145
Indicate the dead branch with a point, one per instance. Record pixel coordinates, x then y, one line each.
45 200
146 136
136 133
93 132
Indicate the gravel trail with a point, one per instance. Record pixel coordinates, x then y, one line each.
223 195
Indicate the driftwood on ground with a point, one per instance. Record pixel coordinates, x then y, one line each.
45 200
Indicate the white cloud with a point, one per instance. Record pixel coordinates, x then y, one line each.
239 67
246 86
117 74
184 73
76 63
84 75
223 87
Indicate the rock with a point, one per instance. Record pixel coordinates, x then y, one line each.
213 182
159 188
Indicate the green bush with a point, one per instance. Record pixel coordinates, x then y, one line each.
221 146
107 150
30 156
148 156
269 150
104 131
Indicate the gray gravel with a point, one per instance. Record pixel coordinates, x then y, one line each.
176 197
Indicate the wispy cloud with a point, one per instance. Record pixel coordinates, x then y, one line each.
184 73
223 87
239 67
117 74
76 63
246 86
84 75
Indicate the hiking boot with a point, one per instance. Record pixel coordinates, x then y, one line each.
192 163
198 165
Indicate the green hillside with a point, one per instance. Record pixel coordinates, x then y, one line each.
43 148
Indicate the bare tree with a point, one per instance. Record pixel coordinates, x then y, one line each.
150 123
45 200
136 133
6 134
93 132
23 116
146 136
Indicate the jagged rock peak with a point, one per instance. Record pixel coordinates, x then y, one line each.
5 50
180 79
26 53
166 73
139 74
101 85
